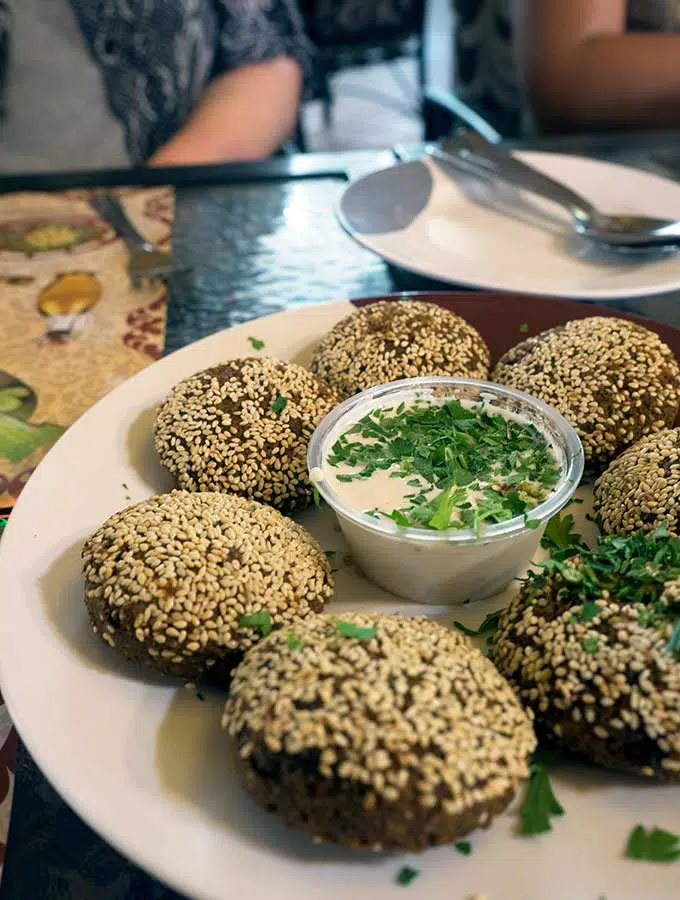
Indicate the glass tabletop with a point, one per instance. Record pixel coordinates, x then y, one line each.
259 238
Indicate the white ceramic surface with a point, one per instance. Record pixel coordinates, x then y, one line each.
416 216
142 760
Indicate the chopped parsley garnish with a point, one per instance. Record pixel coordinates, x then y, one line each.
199 696
633 568
255 343
260 620
468 467
406 875
3 523
316 495
523 328
329 554
540 803
589 611
279 404
488 626
674 640
653 845
125 486
464 847
591 643
294 642
559 533
397 517
350 630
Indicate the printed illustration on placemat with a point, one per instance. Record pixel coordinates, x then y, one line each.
49 235
73 326
65 303
19 437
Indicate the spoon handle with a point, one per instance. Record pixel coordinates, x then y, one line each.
499 163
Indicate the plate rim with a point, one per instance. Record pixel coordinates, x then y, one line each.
602 295
65 787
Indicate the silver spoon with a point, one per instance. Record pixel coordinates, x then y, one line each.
616 231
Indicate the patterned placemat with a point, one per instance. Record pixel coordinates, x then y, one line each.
72 325
72 328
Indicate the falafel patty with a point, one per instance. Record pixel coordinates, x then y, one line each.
386 341
376 732
590 644
612 379
640 489
243 427
169 581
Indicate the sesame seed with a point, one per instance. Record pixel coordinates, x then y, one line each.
197 563
640 490
217 430
613 379
385 341
420 766
604 705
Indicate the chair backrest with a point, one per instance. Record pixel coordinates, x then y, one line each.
486 75
347 22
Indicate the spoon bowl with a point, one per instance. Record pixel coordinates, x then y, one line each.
626 231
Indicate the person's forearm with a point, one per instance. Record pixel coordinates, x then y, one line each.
243 115
617 81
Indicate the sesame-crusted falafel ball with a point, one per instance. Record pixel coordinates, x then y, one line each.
402 740
386 341
613 379
602 684
640 490
168 580
243 427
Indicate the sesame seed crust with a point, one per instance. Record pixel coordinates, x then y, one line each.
387 341
217 430
408 740
613 379
617 705
167 580
640 490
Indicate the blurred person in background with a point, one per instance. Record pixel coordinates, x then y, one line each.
569 65
601 64
99 83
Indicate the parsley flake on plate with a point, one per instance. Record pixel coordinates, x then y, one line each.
406 875
653 845
464 847
255 343
540 803
488 627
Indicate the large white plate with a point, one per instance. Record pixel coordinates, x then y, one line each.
143 760
416 216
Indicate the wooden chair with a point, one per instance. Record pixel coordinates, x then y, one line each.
349 33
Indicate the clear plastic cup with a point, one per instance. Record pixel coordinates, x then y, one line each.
456 565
